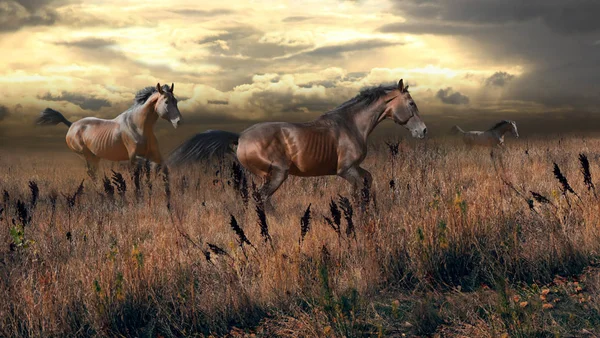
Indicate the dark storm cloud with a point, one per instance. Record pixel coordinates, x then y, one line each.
3 112
218 102
203 13
552 39
85 102
498 79
88 43
449 96
575 16
435 28
15 15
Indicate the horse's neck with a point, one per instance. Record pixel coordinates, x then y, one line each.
502 130
366 119
145 117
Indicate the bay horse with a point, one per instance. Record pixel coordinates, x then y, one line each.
333 144
491 137
129 135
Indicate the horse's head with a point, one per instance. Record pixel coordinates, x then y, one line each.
166 105
513 129
401 108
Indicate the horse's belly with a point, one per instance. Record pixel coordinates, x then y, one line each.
103 140
316 159
314 167
113 153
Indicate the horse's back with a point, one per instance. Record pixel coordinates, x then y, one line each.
479 138
306 149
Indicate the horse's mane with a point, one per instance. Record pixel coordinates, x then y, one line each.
366 97
500 124
144 94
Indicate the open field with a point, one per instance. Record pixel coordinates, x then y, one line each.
451 243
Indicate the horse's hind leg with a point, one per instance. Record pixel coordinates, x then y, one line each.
272 182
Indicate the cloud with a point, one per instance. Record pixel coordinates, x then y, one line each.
566 17
498 79
333 51
85 102
448 96
88 43
231 33
203 13
15 15
502 32
296 18
219 102
436 28
3 112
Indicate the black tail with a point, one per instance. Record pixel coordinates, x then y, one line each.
456 129
51 117
203 146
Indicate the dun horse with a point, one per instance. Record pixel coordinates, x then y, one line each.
491 137
333 144
125 137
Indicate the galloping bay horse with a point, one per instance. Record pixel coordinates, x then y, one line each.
491 137
125 137
333 144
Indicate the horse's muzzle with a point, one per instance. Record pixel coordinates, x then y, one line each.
419 133
176 122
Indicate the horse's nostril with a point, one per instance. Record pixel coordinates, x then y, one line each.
425 131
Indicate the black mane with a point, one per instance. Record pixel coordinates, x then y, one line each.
500 124
365 97
142 96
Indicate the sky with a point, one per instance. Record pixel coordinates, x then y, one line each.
235 63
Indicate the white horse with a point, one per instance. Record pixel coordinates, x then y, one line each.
491 137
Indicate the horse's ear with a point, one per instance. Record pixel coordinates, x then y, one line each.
406 89
172 86
401 85
159 88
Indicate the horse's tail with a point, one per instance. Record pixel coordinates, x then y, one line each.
456 129
51 117
203 146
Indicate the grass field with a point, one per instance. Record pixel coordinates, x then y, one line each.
450 242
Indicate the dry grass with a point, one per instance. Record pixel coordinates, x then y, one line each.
451 243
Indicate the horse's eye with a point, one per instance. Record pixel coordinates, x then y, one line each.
412 104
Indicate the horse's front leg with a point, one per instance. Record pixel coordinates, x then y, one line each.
132 150
156 158
141 151
367 192
91 161
359 179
